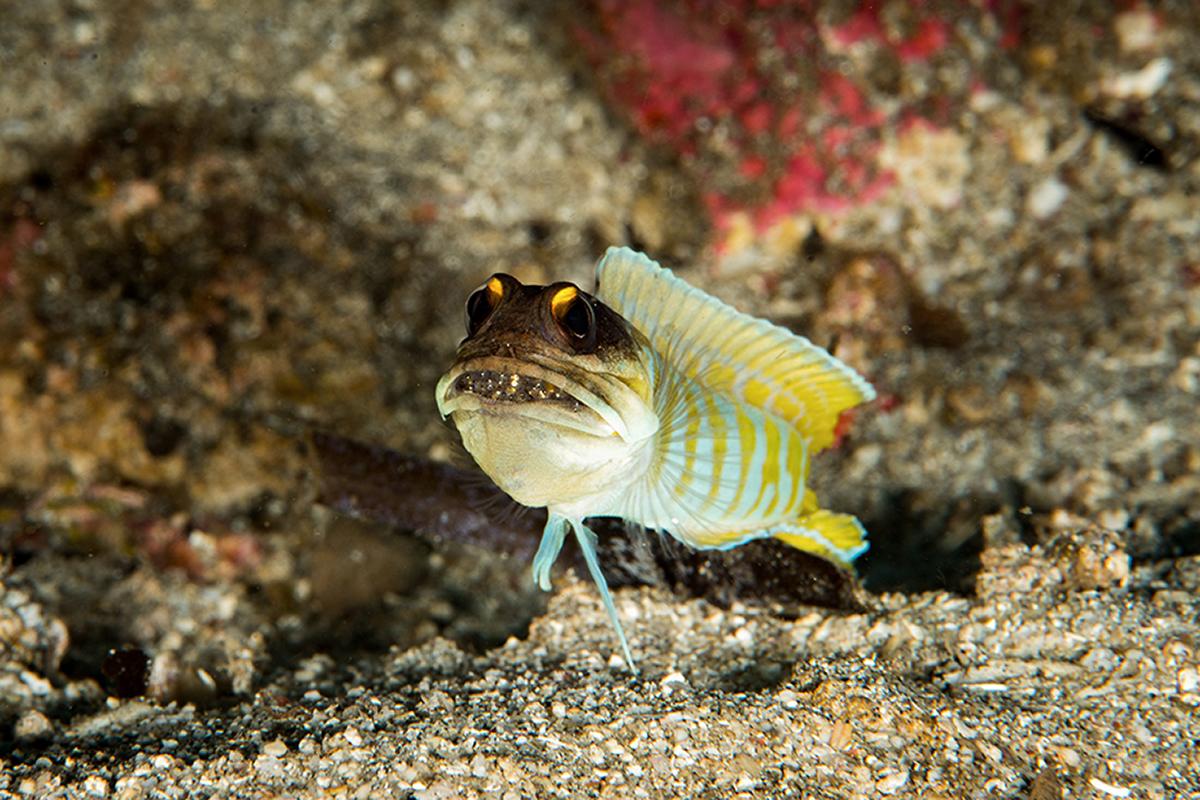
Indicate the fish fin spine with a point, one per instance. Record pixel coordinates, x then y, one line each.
753 360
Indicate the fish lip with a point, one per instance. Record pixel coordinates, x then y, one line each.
450 399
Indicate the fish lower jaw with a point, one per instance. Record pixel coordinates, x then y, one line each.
548 416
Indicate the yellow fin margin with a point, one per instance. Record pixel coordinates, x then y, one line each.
836 537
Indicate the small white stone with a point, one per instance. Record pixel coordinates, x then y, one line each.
480 768
1140 84
1188 679
1114 519
275 748
744 636
1109 789
404 79
745 783
1099 659
352 737
32 725
893 782
324 94
675 681
85 34
268 766
95 786
36 683
1046 198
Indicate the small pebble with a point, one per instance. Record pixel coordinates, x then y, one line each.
1188 681
1109 789
744 636
275 748
893 782
1140 84
268 766
31 726
674 682
745 783
95 786
1047 197
840 734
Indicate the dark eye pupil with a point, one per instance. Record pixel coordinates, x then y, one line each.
578 319
479 307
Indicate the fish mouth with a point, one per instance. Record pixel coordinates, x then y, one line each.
512 387
543 390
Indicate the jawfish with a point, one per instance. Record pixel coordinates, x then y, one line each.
651 401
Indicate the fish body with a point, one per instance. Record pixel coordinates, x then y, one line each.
650 401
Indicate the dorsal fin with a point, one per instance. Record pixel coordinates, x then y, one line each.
727 351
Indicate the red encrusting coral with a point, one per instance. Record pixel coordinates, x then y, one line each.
929 35
750 93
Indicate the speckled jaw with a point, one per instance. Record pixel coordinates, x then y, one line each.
512 387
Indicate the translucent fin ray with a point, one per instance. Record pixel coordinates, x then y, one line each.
587 543
547 553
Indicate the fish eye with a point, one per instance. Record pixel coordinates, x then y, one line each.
482 303
577 318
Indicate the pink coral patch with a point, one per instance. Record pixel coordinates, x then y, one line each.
746 94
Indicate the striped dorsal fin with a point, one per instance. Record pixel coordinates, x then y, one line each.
762 364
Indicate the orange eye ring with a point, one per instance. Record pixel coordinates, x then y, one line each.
562 298
482 302
574 315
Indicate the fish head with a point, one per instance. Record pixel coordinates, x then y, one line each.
550 390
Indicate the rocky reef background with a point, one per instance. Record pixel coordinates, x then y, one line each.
223 227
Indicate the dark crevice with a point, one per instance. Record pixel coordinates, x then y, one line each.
907 536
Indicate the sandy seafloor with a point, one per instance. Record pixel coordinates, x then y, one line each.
222 226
